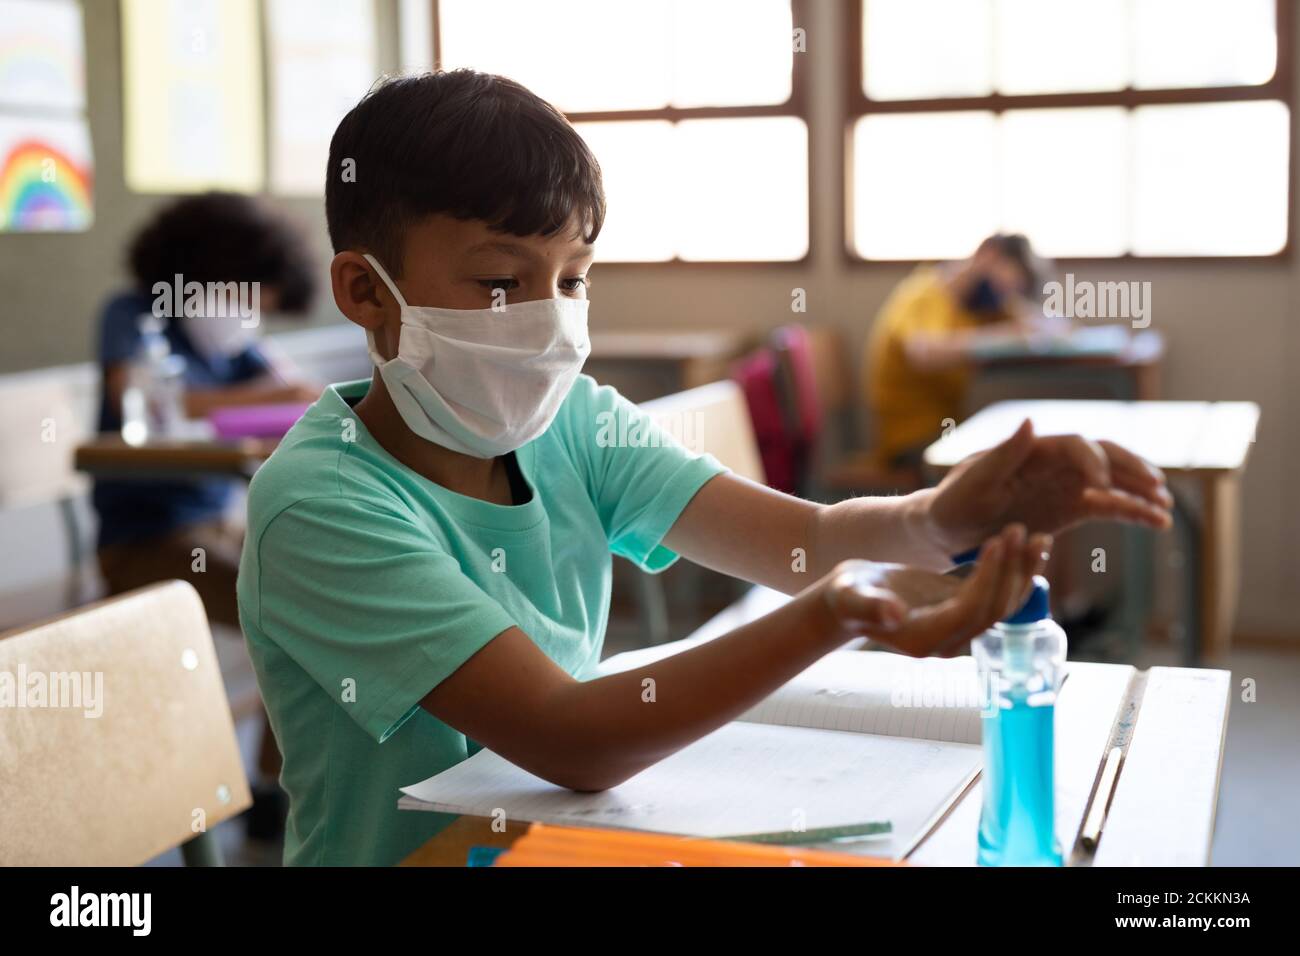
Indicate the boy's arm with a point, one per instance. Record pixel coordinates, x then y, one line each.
1048 484
591 735
738 527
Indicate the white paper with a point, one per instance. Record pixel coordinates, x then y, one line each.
742 779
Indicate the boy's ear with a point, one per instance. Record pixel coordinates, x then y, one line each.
359 293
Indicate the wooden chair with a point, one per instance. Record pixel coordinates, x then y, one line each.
711 419
159 766
40 428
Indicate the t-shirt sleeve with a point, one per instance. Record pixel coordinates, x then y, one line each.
119 331
368 605
639 476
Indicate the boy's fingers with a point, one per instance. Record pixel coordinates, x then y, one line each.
1126 462
1122 506
874 609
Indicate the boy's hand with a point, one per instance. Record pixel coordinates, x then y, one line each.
922 613
1048 484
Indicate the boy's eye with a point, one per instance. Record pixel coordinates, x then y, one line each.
574 284
494 284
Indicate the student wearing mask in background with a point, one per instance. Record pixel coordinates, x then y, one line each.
917 353
149 529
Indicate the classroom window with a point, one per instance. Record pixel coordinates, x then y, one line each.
1099 128
694 108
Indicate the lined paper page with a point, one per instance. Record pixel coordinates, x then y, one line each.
743 778
872 692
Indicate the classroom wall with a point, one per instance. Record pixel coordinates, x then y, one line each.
1228 324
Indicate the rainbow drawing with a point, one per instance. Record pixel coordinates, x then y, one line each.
45 185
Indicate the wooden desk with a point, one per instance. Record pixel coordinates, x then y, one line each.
1130 375
107 456
1169 721
645 364
1207 443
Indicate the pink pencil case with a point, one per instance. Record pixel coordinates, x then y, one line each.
256 421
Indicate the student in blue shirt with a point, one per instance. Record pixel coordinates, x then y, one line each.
428 560
148 529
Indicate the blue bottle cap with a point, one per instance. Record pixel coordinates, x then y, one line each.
1036 607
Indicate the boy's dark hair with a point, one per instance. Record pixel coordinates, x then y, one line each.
467 144
225 237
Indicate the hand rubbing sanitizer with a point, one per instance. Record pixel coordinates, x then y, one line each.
1021 664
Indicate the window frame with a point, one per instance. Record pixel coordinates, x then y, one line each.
1279 87
798 106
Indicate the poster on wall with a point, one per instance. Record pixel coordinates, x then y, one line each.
46 174
46 161
192 95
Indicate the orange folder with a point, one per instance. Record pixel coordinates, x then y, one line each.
546 845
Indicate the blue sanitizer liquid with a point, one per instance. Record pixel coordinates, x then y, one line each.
1017 826
1021 661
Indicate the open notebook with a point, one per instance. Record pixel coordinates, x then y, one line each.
858 737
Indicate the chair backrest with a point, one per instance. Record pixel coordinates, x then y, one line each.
40 429
116 740
713 419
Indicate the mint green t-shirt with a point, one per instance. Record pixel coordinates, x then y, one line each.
364 585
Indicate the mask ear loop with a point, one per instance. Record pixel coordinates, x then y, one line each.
392 286
375 357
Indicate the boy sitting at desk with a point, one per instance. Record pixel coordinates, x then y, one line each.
916 374
427 567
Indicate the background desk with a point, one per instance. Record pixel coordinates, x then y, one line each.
1130 375
645 364
1171 720
108 456
1207 443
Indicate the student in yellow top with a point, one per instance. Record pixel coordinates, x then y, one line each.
427 568
917 354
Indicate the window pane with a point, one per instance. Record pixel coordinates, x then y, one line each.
742 189
1055 46
1210 179
581 55
633 159
923 184
1181 43
415 34
1065 179
322 59
732 52
913 49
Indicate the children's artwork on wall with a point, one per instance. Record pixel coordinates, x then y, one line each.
46 174
46 161
42 56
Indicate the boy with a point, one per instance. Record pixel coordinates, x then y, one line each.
427 567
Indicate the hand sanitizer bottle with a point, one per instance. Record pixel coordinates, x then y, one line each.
1021 663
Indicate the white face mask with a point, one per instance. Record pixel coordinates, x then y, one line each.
479 381
218 336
